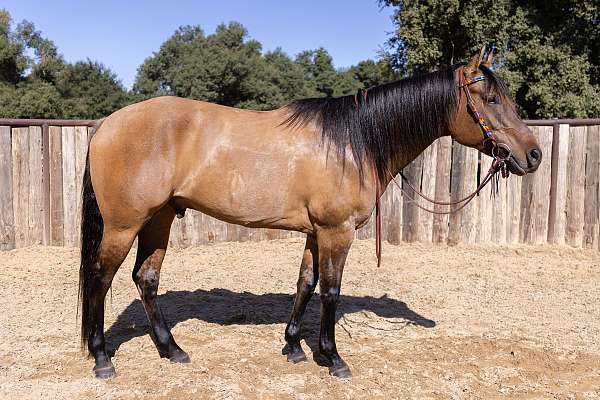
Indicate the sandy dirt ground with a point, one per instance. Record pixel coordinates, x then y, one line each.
433 322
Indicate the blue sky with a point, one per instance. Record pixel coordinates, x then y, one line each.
121 34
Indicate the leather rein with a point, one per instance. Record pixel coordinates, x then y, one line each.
498 165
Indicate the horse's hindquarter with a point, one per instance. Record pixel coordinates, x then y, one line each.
240 166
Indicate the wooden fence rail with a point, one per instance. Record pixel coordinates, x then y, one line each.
42 164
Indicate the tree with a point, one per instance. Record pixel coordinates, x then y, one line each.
89 90
227 68
44 85
223 68
549 51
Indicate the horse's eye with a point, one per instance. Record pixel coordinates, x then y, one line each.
492 100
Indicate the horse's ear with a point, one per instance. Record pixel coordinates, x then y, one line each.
475 61
489 57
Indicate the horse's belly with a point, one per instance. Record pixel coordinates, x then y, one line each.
253 191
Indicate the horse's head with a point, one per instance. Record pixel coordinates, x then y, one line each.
486 118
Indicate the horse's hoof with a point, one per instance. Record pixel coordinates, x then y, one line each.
179 356
340 371
296 357
106 372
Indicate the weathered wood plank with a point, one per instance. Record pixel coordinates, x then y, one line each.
56 187
542 188
81 145
7 221
500 213
558 236
36 186
393 219
513 208
485 205
46 234
591 227
367 231
536 194
410 212
175 235
69 180
469 214
20 178
464 181
576 187
442 188
428 189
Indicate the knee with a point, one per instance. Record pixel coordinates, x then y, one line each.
146 280
330 296
307 282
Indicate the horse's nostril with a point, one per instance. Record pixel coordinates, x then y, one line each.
535 154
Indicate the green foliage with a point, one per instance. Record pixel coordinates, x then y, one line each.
227 68
224 67
89 89
549 51
52 88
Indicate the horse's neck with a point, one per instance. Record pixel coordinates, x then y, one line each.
406 157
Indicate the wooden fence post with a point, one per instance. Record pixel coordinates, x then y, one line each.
576 187
36 187
394 216
536 194
7 223
513 208
462 227
20 179
428 189
69 180
558 197
410 211
486 218
591 229
442 188
57 234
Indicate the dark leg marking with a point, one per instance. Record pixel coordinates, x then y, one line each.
307 281
152 245
334 245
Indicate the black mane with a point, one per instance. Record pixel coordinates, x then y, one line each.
392 118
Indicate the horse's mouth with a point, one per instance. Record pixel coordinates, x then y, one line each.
514 167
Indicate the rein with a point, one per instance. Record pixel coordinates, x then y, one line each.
498 165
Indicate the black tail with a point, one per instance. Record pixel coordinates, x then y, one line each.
92 228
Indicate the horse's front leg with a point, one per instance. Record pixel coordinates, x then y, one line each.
334 245
307 280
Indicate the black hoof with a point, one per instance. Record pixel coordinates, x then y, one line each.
179 356
296 357
106 372
340 371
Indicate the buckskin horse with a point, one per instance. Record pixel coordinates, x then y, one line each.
314 166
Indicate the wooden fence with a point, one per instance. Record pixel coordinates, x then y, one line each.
42 163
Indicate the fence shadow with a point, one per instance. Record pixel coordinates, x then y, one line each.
224 307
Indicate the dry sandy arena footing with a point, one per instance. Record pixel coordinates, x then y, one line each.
434 322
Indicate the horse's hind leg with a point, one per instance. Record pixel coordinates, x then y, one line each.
309 275
113 250
152 245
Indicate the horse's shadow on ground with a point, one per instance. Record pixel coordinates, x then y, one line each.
224 307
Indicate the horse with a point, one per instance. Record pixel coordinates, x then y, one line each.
315 166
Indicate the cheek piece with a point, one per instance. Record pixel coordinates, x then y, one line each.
500 151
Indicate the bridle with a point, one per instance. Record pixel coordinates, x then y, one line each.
498 164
